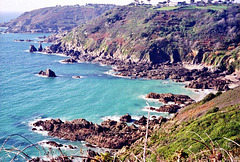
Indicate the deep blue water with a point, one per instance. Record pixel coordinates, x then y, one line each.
25 97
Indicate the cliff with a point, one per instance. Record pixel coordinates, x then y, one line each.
144 33
55 19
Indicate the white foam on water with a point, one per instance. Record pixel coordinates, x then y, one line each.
112 73
43 143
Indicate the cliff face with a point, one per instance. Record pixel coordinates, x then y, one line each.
143 33
55 19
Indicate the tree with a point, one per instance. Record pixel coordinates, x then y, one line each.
192 1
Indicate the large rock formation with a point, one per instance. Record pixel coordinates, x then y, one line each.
47 73
110 134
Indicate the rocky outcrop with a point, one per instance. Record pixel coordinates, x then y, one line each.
40 47
126 118
69 60
47 73
205 83
167 108
110 134
169 97
32 49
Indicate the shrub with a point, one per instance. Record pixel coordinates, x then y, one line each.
209 97
213 110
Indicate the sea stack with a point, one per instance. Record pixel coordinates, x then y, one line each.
32 49
40 47
47 73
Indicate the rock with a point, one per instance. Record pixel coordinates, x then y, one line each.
29 40
54 144
47 73
32 49
40 47
72 147
70 60
141 121
91 153
76 77
126 118
153 95
168 108
169 97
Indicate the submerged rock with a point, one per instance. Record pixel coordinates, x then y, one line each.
32 49
47 73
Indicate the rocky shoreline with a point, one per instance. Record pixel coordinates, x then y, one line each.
205 78
109 134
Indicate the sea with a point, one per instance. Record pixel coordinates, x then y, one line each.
26 97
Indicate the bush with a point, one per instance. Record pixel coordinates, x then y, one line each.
209 97
218 93
213 110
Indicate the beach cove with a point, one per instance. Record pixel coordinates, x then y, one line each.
96 96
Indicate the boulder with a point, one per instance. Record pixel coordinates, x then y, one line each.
40 47
32 49
126 118
141 121
47 73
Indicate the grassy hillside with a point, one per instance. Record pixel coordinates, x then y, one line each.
207 35
199 131
55 19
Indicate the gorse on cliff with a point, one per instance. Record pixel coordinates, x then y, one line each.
143 33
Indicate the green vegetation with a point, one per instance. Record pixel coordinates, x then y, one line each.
208 35
55 19
201 136
167 8
223 7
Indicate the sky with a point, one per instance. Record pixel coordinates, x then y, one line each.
28 5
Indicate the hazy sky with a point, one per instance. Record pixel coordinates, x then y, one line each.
28 5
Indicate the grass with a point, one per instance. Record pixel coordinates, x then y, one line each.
167 8
217 8
201 130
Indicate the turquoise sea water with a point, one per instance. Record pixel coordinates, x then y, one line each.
25 97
